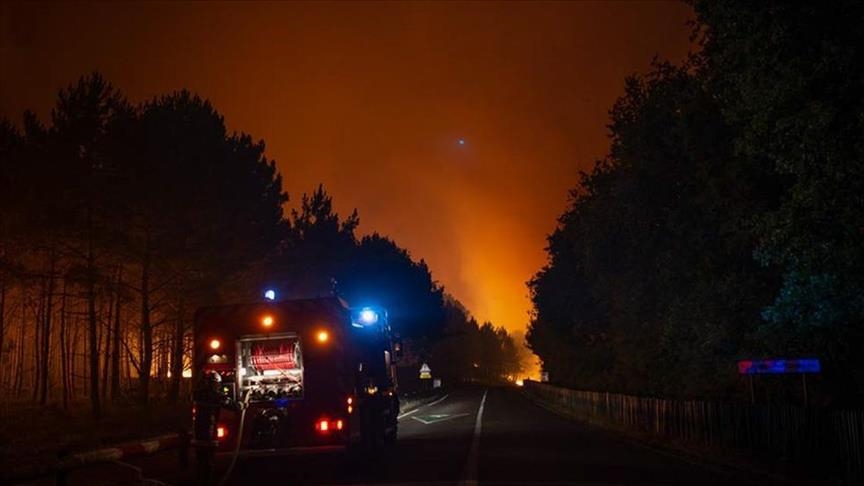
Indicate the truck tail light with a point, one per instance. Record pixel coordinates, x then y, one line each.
221 432
324 426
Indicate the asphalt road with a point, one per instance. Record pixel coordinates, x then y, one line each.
476 435
487 436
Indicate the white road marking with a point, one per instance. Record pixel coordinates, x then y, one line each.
438 418
436 402
469 478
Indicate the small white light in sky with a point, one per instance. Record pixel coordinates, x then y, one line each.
270 294
461 141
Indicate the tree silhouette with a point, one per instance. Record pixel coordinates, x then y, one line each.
790 79
218 208
382 273
651 285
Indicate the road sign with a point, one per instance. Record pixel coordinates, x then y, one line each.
778 366
425 372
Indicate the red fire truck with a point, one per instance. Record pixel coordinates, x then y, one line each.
293 373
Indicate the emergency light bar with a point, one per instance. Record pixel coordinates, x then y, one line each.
366 316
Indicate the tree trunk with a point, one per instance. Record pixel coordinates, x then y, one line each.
46 332
37 340
2 319
19 369
73 362
2 329
64 352
105 331
115 343
177 357
146 361
95 403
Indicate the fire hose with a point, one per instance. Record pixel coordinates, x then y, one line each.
243 406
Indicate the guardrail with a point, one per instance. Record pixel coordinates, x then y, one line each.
815 439
68 462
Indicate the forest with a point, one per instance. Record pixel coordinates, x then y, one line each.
119 220
726 221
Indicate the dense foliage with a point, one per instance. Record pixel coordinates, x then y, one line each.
468 350
726 221
114 211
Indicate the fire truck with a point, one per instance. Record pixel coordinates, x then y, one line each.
292 373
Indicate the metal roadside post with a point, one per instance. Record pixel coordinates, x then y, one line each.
752 390
804 386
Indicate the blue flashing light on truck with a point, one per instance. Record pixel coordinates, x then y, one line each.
294 373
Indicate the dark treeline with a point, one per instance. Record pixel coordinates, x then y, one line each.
118 220
466 350
322 254
726 221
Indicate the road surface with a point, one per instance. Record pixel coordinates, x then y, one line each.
477 436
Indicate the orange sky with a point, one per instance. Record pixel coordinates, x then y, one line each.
371 99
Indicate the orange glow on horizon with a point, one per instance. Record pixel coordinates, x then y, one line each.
454 128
